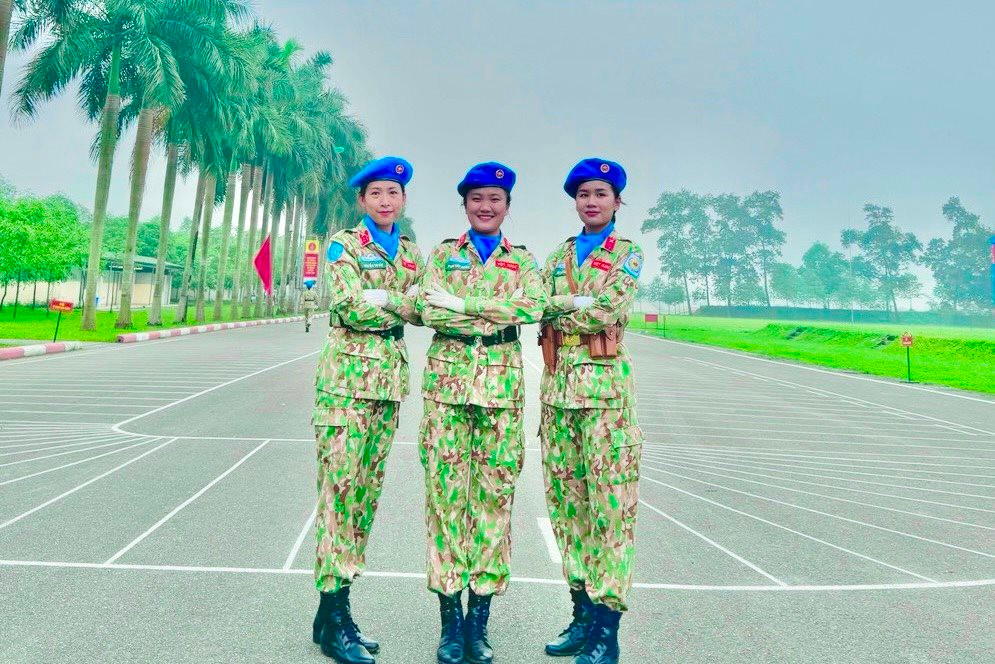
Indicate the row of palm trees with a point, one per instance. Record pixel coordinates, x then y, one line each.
226 101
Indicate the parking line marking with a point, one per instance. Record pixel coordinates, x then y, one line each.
308 525
546 528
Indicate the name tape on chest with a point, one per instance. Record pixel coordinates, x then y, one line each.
600 264
410 265
372 262
507 265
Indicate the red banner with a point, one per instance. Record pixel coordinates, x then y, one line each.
264 266
60 305
309 267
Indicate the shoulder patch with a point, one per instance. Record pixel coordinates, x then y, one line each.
633 264
335 250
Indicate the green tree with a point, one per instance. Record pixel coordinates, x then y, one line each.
678 217
960 264
786 283
887 249
762 211
823 273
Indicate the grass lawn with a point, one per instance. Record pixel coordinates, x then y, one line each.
954 356
34 324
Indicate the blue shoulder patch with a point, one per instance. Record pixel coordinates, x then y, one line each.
633 265
335 250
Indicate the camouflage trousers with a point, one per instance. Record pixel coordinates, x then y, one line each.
472 457
591 471
353 444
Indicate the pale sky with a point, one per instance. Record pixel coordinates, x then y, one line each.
833 104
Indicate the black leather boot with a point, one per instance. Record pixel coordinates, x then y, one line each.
321 616
572 639
340 637
371 646
478 610
602 641
451 641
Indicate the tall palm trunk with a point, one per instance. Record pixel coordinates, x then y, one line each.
168 191
275 216
290 229
249 282
6 14
105 164
267 210
248 173
198 203
210 190
225 235
139 169
291 271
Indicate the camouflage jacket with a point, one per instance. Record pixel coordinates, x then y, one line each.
460 373
608 275
355 364
309 299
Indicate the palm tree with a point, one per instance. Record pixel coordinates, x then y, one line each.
6 16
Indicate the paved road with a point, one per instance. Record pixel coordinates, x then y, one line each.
156 504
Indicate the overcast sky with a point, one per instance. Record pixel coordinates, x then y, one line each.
834 104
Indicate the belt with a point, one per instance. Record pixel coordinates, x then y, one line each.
389 333
502 336
578 339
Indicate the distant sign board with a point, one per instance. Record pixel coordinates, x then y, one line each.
309 266
651 318
61 305
907 340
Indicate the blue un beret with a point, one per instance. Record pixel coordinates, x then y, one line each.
594 168
487 174
394 169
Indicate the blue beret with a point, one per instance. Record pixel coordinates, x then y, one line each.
394 169
594 168
487 174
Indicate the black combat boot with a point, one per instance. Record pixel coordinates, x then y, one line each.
478 610
371 646
340 637
572 639
602 640
451 641
321 616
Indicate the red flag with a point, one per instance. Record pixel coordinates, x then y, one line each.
264 266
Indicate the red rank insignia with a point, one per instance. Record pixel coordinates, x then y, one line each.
409 264
508 265
364 237
610 243
604 266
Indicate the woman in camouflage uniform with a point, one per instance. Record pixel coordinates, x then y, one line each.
477 290
590 439
362 377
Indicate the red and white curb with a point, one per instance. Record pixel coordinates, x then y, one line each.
16 352
200 329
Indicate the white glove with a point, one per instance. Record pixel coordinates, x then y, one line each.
438 297
583 301
412 291
375 296
518 293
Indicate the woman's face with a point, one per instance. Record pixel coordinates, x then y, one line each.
486 209
383 201
596 203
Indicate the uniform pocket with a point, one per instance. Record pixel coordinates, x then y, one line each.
505 382
445 379
626 452
594 379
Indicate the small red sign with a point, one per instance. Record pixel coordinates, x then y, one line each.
64 306
599 264
651 318
907 340
508 265
409 264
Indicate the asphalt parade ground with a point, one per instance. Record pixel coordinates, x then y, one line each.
156 505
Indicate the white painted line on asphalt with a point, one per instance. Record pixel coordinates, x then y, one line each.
715 544
58 412
83 485
724 466
75 393
852 398
837 442
117 427
750 451
932 585
76 463
789 456
546 529
308 525
186 502
831 516
836 374
120 439
87 352
52 437
790 530
81 440
70 405
63 423
783 429
919 515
